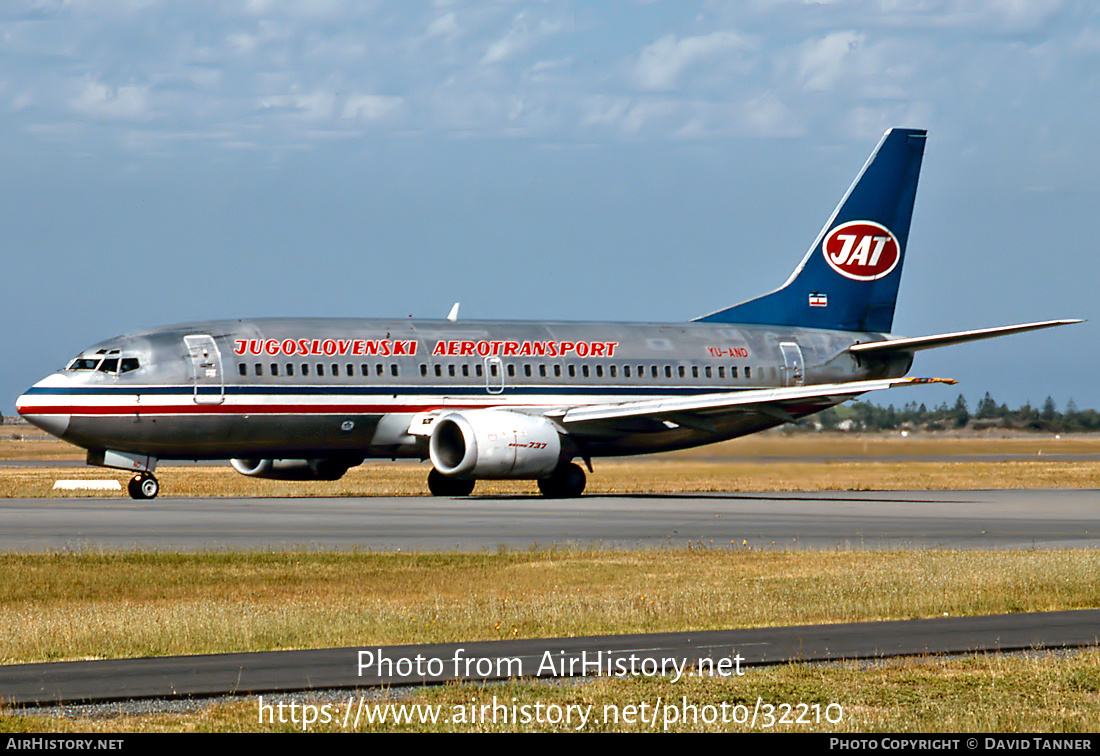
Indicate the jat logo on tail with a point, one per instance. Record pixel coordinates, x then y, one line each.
861 250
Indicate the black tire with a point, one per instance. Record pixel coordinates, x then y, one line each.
443 485
566 482
143 486
327 469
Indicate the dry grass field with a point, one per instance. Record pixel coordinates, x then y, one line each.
112 605
764 462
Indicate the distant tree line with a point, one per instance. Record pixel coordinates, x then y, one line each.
988 414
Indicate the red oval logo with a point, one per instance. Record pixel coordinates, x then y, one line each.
861 250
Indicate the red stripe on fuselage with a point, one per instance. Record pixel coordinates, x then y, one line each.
243 409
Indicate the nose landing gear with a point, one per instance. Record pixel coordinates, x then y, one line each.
143 486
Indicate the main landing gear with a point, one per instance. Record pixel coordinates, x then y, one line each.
442 485
143 486
566 482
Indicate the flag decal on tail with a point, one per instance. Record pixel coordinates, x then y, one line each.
817 299
861 250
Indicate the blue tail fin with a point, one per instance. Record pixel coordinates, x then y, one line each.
849 278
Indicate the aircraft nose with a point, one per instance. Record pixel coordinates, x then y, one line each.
43 407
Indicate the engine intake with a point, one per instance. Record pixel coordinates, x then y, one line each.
494 444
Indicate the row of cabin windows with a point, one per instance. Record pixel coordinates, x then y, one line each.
452 370
708 371
288 369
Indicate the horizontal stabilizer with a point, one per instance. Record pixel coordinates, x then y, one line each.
896 346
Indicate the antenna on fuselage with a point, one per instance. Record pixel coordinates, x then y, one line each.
453 314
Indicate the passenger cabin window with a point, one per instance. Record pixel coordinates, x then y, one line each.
274 368
242 369
290 368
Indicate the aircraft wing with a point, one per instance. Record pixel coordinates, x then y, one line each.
696 411
891 346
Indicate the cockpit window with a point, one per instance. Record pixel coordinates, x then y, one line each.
106 362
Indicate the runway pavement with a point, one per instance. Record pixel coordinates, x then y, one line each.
1067 518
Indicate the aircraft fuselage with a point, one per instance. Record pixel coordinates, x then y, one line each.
314 387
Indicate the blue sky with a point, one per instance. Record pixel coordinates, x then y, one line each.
545 160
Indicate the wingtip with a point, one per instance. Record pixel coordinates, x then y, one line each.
919 381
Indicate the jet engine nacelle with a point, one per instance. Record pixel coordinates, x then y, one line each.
292 469
494 444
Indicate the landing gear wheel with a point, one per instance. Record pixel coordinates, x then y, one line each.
442 485
566 482
143 486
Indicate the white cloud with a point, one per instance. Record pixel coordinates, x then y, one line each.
823 62
371 107
312 106
548 70
660 64
522 35
96 99
445 26
1020 15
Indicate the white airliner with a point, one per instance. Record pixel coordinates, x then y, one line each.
309 398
